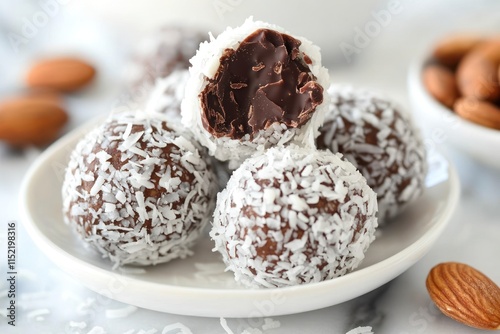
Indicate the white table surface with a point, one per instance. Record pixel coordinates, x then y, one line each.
401 306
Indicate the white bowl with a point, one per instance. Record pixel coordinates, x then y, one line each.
444 127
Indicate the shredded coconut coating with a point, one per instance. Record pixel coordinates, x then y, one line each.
291 216
374 134
167 95
205 65
138 190
162 52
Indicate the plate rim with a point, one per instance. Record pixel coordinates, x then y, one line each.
415 251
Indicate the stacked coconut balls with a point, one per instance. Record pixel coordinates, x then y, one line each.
312 165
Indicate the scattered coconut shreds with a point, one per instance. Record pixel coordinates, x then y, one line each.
183 329
209 271
131 271
252 331
374 134
79 325
361 330
204 66
120 312
130 331
83 307
284 193
149 331
142 195
270 324
225 326
97 330
37 313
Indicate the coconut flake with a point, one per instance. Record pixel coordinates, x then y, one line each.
270 324
97 330
182 327
37 313
78 324
361 330
225 326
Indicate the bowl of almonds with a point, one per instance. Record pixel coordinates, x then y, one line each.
454 89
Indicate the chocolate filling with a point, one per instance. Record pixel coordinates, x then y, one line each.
265 80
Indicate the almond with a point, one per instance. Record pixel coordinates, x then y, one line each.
499 73
62 74
465 295
451 50
477 74
479 112
31 120
440 82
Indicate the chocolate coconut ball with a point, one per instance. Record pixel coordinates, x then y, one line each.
253 87
292 216
167 95
161 53
381 141
138 190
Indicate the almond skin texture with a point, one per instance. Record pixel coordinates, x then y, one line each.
465 295
451 50
479 112
477 73
440 83
61 74
499 73
31 120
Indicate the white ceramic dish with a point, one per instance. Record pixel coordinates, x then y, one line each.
198 285
445 127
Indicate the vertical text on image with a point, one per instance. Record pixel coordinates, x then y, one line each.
11 272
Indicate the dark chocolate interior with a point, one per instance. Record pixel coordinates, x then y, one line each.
265 80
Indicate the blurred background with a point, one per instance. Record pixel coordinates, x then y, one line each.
369 43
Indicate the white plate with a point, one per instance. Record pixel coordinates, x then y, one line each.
198 285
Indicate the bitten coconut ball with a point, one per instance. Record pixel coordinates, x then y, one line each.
138 190
292 216
381 141
253 87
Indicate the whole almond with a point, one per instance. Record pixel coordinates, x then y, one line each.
465 294
479 112
31 120
62 74
477 73
449 51
440 83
